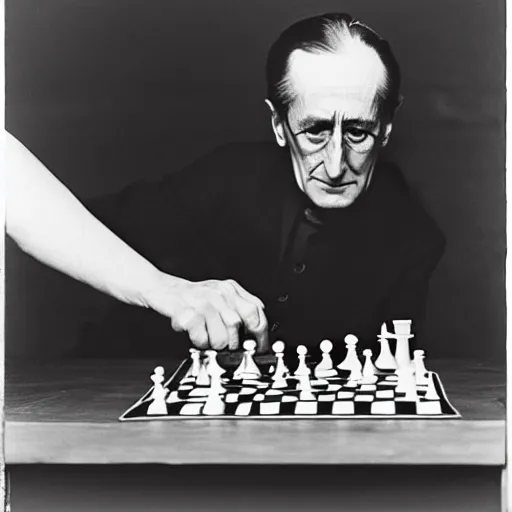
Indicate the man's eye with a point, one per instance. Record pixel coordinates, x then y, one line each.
316 135
355 135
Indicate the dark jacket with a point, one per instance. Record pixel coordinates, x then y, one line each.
225 217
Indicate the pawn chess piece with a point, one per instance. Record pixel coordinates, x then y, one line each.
325 367
302 368
369 370
212 366
431 393
281 371
248 368
202 379
386 360
158 405
419 368
354 378
195 356
351 361
214 405
305 388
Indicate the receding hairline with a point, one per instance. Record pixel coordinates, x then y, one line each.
339 40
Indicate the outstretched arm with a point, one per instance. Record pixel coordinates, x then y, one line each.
47 221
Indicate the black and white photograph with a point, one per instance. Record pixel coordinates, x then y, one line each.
255 255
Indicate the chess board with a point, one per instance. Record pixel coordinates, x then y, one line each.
334 397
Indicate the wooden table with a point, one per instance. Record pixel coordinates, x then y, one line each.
66 412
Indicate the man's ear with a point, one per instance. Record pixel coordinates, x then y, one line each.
387 132
277 125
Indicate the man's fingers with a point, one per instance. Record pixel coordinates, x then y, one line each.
242 292
217 332
198 335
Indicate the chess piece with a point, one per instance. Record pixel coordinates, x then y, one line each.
202 379
386 360
212 366
351 361
281 371
419 368
158 405
403 335
369 371
248 368
195 356
431 393
302 368
354 378
325 366
214 405
305 388
406 382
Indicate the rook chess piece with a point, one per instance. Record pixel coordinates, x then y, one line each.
403 335
325 366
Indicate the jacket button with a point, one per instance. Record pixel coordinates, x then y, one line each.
282 298
299 268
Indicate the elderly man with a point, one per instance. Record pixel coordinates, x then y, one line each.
310 238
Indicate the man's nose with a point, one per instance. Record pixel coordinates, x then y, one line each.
334 159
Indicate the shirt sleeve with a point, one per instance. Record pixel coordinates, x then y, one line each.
168 219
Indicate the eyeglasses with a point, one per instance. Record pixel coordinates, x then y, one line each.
318 136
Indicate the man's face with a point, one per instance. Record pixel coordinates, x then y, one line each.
332 127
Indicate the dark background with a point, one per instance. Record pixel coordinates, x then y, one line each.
108 91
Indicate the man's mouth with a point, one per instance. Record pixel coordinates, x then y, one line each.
335 186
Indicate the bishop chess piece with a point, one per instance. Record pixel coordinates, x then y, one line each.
386 360
325 367
419 368
248 368
158 405
351 361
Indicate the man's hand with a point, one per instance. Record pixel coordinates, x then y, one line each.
211 312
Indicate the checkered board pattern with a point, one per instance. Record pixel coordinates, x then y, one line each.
333 397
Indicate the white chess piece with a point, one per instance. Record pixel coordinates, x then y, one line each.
386 360
158 405
419 368
212 366
351 361
281 370
369 370
302 368
402 335
248 368
214 405
202 379
325 367
305 388
431 393
354 378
